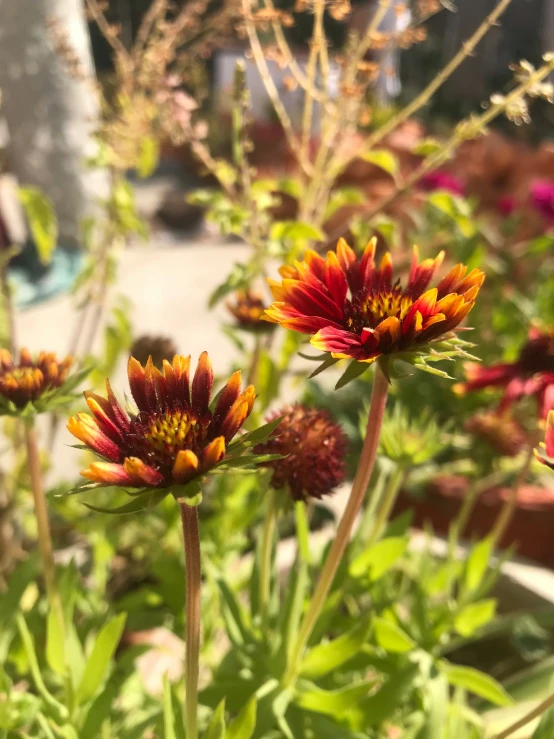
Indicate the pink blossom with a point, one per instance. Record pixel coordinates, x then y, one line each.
440 180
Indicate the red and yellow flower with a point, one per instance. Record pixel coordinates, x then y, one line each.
531 375
545 452
174 437
30 380
248 310
354 310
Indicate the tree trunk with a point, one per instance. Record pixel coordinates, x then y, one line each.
50 114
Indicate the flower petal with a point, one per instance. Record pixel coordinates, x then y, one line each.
135 373
108 474
119 414
103 413
227 397
202 384
238 413
185 466
84 428
181 370
213 453
142 473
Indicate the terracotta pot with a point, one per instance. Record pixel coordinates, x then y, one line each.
530 530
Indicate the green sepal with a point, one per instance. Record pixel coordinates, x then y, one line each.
139 503
189 494
329 361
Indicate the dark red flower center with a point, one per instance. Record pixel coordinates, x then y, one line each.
368 309
157 438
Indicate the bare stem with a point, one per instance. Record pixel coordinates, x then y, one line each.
357 494
41 513
271 88
189 518
8 308
520 723
267 545
426 94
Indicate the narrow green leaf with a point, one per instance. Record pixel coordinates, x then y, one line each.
169 719
216 727
55 641
395 691
354 370
139 503
42 221
233 615
242 727
30 653
294 605
258 435
379 558
327 657
382 158
476 682
473 616
295 231
545 729
336 703
327 362
477 564
391 637
98 663
436 691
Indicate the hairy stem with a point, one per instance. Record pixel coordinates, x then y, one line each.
189 519
357 494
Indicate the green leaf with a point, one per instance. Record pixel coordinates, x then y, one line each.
295 231
169 718
292 608
237 279
456 208
476 682
354 370
242 727
216 727
55 641
342 704
139 503
391 637
233 615
435 722
42 221
29 647
545 729
149 153
257 436
384 159
426 146
379 558
97 664
394 692
343 196
477 564
329 361
473 616
326 657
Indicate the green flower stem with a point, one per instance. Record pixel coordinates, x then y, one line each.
520 723
255 360
508 509
189 518
302 530
267 545
368 515
41 513
357 494
396 480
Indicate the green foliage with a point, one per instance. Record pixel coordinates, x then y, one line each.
42 221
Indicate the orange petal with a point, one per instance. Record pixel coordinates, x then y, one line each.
202 384
345 254
239 412
141 472
185 467
84 428
135 373
213 453
108 474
